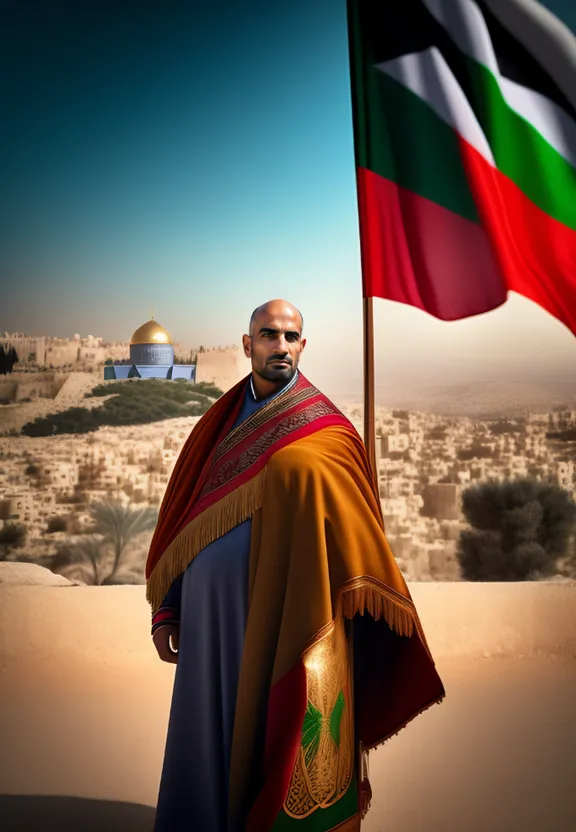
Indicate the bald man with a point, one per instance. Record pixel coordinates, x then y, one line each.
274 591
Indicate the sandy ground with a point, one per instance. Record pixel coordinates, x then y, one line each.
498 754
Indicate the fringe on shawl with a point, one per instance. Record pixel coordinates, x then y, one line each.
406 722
366 594
204 529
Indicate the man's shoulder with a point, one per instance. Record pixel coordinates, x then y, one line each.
339 442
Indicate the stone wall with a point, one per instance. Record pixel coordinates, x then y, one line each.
18 386
222 366
25 346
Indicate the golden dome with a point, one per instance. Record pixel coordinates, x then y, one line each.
150 333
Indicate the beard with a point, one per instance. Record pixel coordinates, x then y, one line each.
277 374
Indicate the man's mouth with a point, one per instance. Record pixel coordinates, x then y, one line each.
280 361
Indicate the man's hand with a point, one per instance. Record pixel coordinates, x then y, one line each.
161 639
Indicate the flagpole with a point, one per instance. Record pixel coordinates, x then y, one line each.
369 403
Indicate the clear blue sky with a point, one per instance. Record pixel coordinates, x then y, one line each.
196 157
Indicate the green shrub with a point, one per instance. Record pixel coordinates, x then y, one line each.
519 530
131 402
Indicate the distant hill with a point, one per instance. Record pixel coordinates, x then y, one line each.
487 399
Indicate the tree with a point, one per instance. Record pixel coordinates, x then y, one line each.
119 525
504 426
519 530
475 451
56 524
12 536
84 559
8 359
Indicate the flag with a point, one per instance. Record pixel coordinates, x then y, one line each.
465 144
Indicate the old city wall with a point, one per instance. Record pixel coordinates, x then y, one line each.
70 352
19 386
26 347
222 366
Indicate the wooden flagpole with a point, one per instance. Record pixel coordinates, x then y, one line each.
369 402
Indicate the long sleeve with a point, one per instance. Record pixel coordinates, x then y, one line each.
169 611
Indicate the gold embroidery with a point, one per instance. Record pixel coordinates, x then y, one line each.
286 399
235 466
325 762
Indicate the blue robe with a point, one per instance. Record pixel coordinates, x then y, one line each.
212 595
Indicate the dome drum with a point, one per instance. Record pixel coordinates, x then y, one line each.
152 353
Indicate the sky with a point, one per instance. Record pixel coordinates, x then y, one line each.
196 159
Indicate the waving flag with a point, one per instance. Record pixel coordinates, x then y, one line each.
465 144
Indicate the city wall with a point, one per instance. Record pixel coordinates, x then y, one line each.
18 386
222 366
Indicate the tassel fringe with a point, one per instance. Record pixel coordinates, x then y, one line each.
214 522
368 595
405 723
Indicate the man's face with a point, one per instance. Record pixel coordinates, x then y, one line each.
274 345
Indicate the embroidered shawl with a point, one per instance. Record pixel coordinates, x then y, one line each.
218 479
319 554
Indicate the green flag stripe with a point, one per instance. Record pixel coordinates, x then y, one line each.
521 152
400 137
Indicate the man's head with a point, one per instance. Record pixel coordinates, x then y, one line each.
274 342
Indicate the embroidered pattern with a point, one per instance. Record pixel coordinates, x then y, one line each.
325 762
237 465
291 397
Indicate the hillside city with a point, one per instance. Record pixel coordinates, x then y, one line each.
50 484
425 461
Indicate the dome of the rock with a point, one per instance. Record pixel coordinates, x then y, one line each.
150 333
151 356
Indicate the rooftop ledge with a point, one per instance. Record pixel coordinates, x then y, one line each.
85 707
106 626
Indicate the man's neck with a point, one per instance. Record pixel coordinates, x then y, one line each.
262 389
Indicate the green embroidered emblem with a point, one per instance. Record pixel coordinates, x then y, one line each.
313 723
311 732
336 718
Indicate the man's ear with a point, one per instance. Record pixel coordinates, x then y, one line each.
247 344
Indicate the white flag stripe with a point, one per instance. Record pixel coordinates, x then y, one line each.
428 76
551 121
465 24
544 36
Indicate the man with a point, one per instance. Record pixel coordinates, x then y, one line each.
273 588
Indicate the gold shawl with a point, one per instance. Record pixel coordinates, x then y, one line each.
318 552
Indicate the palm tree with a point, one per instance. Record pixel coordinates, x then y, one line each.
74 559
119 525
